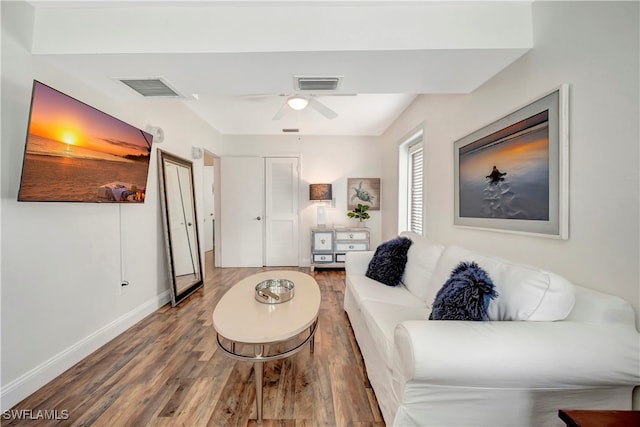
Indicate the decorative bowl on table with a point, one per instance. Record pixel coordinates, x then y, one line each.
274 291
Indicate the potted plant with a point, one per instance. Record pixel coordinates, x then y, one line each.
360 212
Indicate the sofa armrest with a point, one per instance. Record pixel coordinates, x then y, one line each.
515 354
357 262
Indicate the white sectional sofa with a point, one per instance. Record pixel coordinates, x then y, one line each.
548 344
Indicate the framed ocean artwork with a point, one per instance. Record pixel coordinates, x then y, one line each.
512 175
365 191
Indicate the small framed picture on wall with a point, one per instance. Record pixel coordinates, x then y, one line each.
364 191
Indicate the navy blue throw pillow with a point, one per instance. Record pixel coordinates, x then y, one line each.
465 295
389 260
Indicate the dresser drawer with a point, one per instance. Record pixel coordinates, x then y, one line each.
352 235
323 241
352 246
319 258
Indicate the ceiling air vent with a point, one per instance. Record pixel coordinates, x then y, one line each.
290 130
152 87
316 83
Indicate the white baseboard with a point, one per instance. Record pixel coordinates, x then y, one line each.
30 382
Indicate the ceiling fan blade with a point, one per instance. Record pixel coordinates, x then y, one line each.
322 109
281 112
259 96
333 94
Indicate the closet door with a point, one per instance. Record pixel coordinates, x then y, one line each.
281 211
241 211
208 197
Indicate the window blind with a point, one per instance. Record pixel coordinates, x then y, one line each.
416 161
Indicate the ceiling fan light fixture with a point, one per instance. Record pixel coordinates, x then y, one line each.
297 103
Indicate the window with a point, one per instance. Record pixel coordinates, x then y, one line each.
411 168
414 219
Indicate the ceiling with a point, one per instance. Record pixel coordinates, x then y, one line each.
232 61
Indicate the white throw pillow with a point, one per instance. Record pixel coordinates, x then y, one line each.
422 259
524 292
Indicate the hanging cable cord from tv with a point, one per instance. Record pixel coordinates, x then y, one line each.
122 281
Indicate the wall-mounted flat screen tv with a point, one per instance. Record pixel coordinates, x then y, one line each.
77 153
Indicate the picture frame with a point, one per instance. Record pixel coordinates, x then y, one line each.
364 191
512 175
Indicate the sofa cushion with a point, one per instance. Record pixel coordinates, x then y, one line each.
465 296
382 318
366 289
388 262
524 292
422 259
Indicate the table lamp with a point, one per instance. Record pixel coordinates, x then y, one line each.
320 193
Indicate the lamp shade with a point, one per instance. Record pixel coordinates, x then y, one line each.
320 192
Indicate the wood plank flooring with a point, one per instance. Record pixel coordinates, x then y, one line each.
167 371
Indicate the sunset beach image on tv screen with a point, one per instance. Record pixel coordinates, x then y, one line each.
76 153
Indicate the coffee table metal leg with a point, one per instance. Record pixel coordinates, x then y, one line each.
258 368
259 358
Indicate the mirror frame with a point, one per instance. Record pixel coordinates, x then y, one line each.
164 159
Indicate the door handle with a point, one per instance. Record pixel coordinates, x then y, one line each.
257 218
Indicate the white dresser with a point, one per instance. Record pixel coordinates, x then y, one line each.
330 245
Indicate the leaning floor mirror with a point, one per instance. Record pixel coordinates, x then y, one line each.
177 200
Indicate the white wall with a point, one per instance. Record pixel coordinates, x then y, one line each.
61 275
595 48
330 159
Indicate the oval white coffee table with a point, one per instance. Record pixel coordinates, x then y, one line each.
240 319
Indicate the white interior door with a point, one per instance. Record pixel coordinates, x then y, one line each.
208 207
281 211
241 212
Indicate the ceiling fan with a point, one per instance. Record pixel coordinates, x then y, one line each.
308 85
300 102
